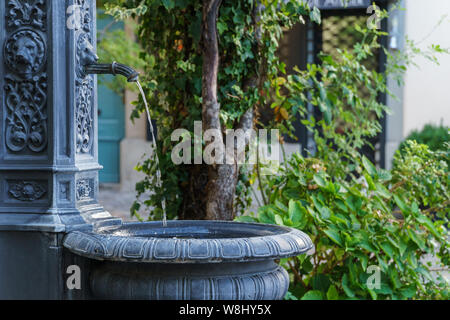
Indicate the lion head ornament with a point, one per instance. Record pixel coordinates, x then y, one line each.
85 54
25 53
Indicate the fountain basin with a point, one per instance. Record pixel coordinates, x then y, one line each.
189 260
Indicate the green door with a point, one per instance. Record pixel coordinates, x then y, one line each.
111 126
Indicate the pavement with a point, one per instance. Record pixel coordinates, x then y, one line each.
116 201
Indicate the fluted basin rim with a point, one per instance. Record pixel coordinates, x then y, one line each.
189 242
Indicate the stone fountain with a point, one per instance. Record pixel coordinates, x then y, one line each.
50 220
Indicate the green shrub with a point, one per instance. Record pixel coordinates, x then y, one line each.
250 73
355 232
372 228
433 136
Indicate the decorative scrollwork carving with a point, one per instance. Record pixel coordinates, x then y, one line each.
85 54
26 122
27 190
84 190
25 84
85 121
85 14
26 13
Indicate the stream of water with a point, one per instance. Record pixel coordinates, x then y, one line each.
158 169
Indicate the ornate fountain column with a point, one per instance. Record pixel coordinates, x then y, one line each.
48 137
48 147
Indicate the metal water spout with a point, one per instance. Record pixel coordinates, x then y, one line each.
88 63
114 69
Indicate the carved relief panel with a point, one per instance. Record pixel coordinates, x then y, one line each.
85 54
27 191
85 190
25 83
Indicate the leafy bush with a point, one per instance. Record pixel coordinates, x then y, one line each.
433 136
250 72
354 230
365 222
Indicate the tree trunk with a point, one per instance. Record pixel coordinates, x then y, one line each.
194 200
211 191
221 176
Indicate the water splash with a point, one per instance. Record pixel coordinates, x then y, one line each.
158 169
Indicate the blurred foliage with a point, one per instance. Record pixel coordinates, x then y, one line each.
365 225
433 136
116 44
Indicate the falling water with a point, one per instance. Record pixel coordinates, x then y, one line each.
158 169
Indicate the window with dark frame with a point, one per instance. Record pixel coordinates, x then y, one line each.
301 45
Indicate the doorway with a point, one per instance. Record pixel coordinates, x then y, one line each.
111 122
